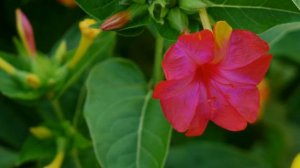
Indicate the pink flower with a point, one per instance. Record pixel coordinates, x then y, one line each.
213 76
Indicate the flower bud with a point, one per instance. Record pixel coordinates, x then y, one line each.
264 91
116 21
88 35
158 10
192 6
178 20
296 162
57 161
7 67
60 52
41 132
68 3
25 32
120 19
33 80
59 157
86 30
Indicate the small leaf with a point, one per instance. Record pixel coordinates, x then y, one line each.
284 40
34 149
127 127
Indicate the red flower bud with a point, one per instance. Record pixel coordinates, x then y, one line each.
116 21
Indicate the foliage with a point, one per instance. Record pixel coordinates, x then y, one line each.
101 113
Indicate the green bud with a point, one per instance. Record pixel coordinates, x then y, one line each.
171 3
158 10
192 6
178 20
125 2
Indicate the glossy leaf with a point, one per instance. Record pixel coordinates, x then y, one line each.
255 15
284 40
211 155
127 127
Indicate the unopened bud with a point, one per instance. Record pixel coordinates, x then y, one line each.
25 32
192 6
120 19
57 161
87 30
296 162
33 80
158 10
178 20
116 21
87 39
68 3
41 132
7 67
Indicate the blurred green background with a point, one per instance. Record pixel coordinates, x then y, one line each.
272 142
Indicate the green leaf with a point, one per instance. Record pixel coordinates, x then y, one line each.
35 149
100 9
13 125
297 3
211 155
7 158
284 40
255 15
127 127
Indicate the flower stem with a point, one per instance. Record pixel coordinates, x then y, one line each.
79 106
157 70
57 109
204 19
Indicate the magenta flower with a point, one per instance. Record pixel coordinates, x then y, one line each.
213 76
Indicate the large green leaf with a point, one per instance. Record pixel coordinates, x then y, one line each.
255 15
127 127
211 155
7 158
284 40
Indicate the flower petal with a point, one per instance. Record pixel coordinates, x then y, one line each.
222 32
224 114
198 124
244 48
202 114
244 98
180 108
166 89
252 73
191 49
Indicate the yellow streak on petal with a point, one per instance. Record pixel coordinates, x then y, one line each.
222 32
296 162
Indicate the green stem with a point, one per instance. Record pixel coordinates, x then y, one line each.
75 157
57 109
157 70
204 19
79 106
